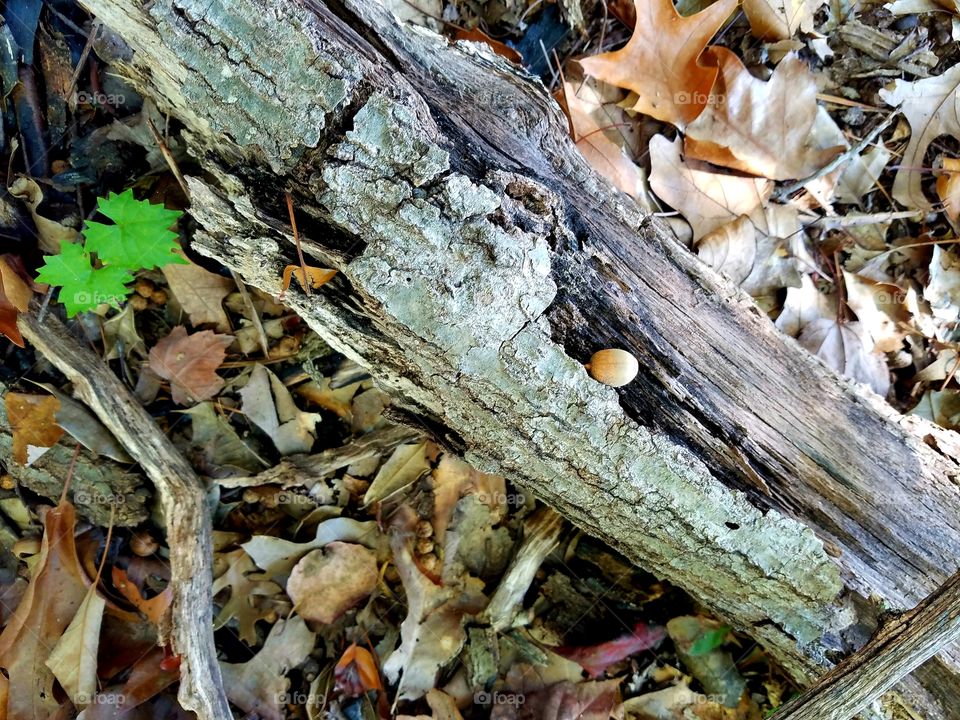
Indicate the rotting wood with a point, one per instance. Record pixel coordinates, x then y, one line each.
182 500
897 649
482 261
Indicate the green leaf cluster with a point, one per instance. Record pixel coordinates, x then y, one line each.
140 237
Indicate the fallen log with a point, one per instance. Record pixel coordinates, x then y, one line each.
482 262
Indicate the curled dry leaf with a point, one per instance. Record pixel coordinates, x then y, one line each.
880 308
15 296
848 349
33 421
707 200
50 232
604 133
948 187
329 581
259 685
317 276
189 363
268 404
930 106
780 19
200 293
661 63
762 128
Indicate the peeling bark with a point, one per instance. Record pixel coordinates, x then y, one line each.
481 261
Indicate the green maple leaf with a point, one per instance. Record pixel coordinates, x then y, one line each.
140 236
81 286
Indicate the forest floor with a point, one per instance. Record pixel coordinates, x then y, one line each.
361 569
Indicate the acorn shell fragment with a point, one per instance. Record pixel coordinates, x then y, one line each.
613 367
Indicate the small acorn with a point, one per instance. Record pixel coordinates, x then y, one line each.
613 367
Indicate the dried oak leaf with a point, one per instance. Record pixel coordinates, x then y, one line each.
318 276
246 584
762 128
848 349
189 363
661 64
56 590
780 19
259 685
200 293
329 581
34 424
932 107
603 133
707 200
948 187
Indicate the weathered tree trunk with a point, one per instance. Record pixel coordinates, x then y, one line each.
482 261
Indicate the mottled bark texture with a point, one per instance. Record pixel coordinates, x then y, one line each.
482 262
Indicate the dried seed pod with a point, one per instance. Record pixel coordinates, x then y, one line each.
613 367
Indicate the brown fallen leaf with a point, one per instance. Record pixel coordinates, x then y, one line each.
660 62
780 19
189 363
318 276
49 232
246 584
268 404
761 128
153 609
452 479
707 200
15 295
147 678
259 686
432 634
356 672
948 187
596 700
880 308
34 424
930 106
603 132
56 590
200 293
848 349
329 581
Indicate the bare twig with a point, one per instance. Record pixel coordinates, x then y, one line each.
182 499
897 650
785 192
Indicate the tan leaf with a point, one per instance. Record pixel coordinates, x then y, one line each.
932 108
941 407
451 480
268 404
804 305
189 363
848 349
880 309
258 686
74 658
780 19
660 62
14 287
603 133
246 584
432 634
406 465
948 187
329 581
707 200
762 128
50 232
34 424
56 590
943 289
200 293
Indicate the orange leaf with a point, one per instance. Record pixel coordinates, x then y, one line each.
948 187
660 62
15 294
318 276
34 423
190 362
154 608
356 673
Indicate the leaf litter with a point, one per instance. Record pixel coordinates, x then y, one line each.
361 569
